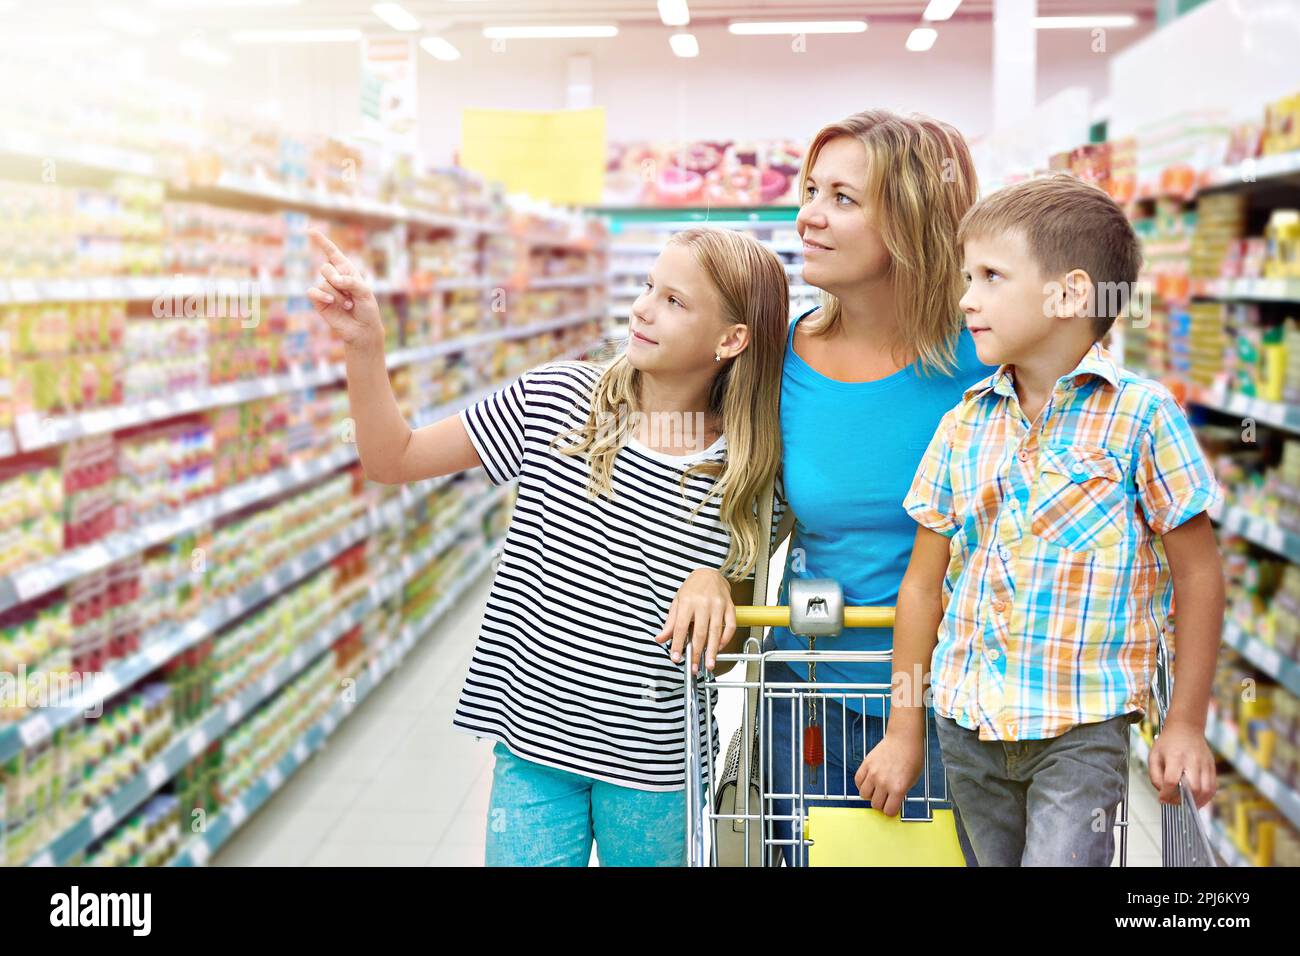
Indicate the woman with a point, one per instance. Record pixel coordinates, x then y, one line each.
868 374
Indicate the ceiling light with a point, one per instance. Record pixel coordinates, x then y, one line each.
1118 20
684 44
440 48
396 16
786 27
295 36
940 9
921 39
674 13
548 33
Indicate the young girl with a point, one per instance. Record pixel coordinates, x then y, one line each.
629 476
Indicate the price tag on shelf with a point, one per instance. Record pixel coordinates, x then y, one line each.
156 775
1268 785
300 751
44 858
102 821
1274 538
274 778
234 711
34 729
268 683
297 660
198 740
1268 658
200 852
238 813
32 582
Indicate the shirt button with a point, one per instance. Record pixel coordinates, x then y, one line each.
993 654
1004 553
1023 456
1015 504
999 606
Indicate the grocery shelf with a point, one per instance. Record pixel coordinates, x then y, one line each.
222 826
565 282
1283 415
35 431
98 821
1270 660
232 189
1250 290
1223 737
1224 846
37 727
1252 171
150 288
1258 530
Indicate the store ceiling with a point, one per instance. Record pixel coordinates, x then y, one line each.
445 15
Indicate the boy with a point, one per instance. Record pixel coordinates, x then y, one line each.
1057 503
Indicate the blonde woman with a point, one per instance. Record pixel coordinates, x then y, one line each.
629 476
868 374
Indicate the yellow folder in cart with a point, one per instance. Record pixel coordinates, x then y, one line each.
860 836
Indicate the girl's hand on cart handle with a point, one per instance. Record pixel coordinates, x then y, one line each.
889 771
703 606
344 299
1182 748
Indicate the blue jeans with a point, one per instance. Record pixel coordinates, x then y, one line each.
542 816
847 738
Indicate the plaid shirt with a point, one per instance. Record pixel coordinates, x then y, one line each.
1058 588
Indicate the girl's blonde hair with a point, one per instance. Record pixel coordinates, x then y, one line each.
920 180
751 285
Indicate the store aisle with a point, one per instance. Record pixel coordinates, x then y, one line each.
396 786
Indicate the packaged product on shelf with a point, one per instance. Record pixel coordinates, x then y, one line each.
89 486
1282 238
1281 126
31 510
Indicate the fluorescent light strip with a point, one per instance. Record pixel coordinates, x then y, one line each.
440 48
921 39
786 27
1118 20
674 13
396 16
684 44
940 9
295 36
548 33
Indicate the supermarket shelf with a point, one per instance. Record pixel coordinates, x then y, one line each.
18 144
159 288
221 827
1224 846
651 249
1282 415
566 282
35 432
1223 738
1251 290
1253 170
37 727
220 719
558 242
1258 530
1268 659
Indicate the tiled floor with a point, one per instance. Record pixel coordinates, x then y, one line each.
396 786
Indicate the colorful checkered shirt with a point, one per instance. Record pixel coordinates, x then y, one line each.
1058 587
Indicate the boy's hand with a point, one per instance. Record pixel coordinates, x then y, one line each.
1180 749
703 606
344 299
890 770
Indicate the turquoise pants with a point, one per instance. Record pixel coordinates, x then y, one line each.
541 816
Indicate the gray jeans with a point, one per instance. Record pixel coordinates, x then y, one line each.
1039 802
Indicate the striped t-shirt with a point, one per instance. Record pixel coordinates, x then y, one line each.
566 671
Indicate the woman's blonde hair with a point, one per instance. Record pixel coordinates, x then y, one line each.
920 181
751 286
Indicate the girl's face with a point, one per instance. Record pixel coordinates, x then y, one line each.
842 248
676 323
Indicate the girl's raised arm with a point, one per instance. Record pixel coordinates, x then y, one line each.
390 452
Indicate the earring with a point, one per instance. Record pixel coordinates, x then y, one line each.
717 356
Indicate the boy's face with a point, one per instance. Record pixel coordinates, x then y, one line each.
1007 303
676 322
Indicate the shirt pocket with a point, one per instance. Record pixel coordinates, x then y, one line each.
1081 500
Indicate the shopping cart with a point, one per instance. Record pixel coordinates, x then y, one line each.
742 817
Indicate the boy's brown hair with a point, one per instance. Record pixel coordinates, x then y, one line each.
1067 224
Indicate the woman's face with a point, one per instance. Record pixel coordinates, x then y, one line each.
842 247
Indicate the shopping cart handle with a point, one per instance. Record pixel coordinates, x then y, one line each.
748 615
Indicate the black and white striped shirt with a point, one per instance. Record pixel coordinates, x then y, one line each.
566 671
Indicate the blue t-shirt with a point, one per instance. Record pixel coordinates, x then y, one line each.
850 452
